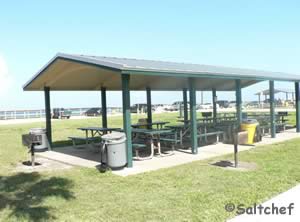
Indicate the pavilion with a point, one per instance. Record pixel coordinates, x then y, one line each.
67 72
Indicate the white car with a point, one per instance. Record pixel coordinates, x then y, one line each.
205 106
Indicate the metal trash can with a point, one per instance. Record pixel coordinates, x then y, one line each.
114 152
250 126
43 146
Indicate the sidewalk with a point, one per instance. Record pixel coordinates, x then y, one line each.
282 200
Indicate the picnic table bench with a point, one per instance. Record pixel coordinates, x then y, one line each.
83 139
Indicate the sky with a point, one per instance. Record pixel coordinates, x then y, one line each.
247 34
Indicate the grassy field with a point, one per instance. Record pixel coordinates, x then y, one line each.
191 192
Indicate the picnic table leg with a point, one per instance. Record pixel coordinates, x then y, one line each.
181 137
158 145
86 136
74 144
205 131
152 147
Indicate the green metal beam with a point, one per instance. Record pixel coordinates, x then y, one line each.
149 105
193 116
48 115
103 107
126 116
297 93
238 95
185 105
272 109
214 99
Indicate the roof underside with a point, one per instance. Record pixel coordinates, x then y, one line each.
267 91
77 72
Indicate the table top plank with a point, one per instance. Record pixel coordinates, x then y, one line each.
152 131
100 129
150 124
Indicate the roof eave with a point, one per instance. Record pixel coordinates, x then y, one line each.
201 75
78 59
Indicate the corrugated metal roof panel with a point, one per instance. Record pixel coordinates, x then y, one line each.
164 66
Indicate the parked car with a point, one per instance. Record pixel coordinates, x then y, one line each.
93 112
139 108
176 106
61 113
160 108
223 103
232 104
205 106
252 104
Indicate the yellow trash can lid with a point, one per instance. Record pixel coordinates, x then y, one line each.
249 121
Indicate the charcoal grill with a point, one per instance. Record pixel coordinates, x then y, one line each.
30 141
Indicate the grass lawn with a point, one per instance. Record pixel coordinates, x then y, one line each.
190 192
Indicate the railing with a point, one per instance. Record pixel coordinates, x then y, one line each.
40 113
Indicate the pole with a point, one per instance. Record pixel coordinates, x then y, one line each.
193 116
297 93
48 115
272 109
149 105
126 116
238 95
185 106
104 107
214 100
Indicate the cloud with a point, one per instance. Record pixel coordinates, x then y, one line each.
5 77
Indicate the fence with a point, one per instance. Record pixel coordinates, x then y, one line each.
40 113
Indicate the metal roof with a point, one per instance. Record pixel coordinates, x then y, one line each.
83 72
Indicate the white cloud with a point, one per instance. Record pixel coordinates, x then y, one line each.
5 77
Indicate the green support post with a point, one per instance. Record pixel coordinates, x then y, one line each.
214 99
149 105
297 93
48 115
193 116
238 94
185 106
272 109
127 117
103 107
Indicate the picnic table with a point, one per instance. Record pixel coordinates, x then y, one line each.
97 130
158 124
92 138
203 131
181 129
153 135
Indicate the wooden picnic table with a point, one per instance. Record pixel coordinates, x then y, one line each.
153 134
158 124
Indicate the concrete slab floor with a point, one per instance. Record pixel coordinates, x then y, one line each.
90 158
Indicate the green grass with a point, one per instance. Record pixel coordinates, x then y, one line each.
190 192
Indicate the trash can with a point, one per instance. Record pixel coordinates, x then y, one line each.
114 153
249 125
44 140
